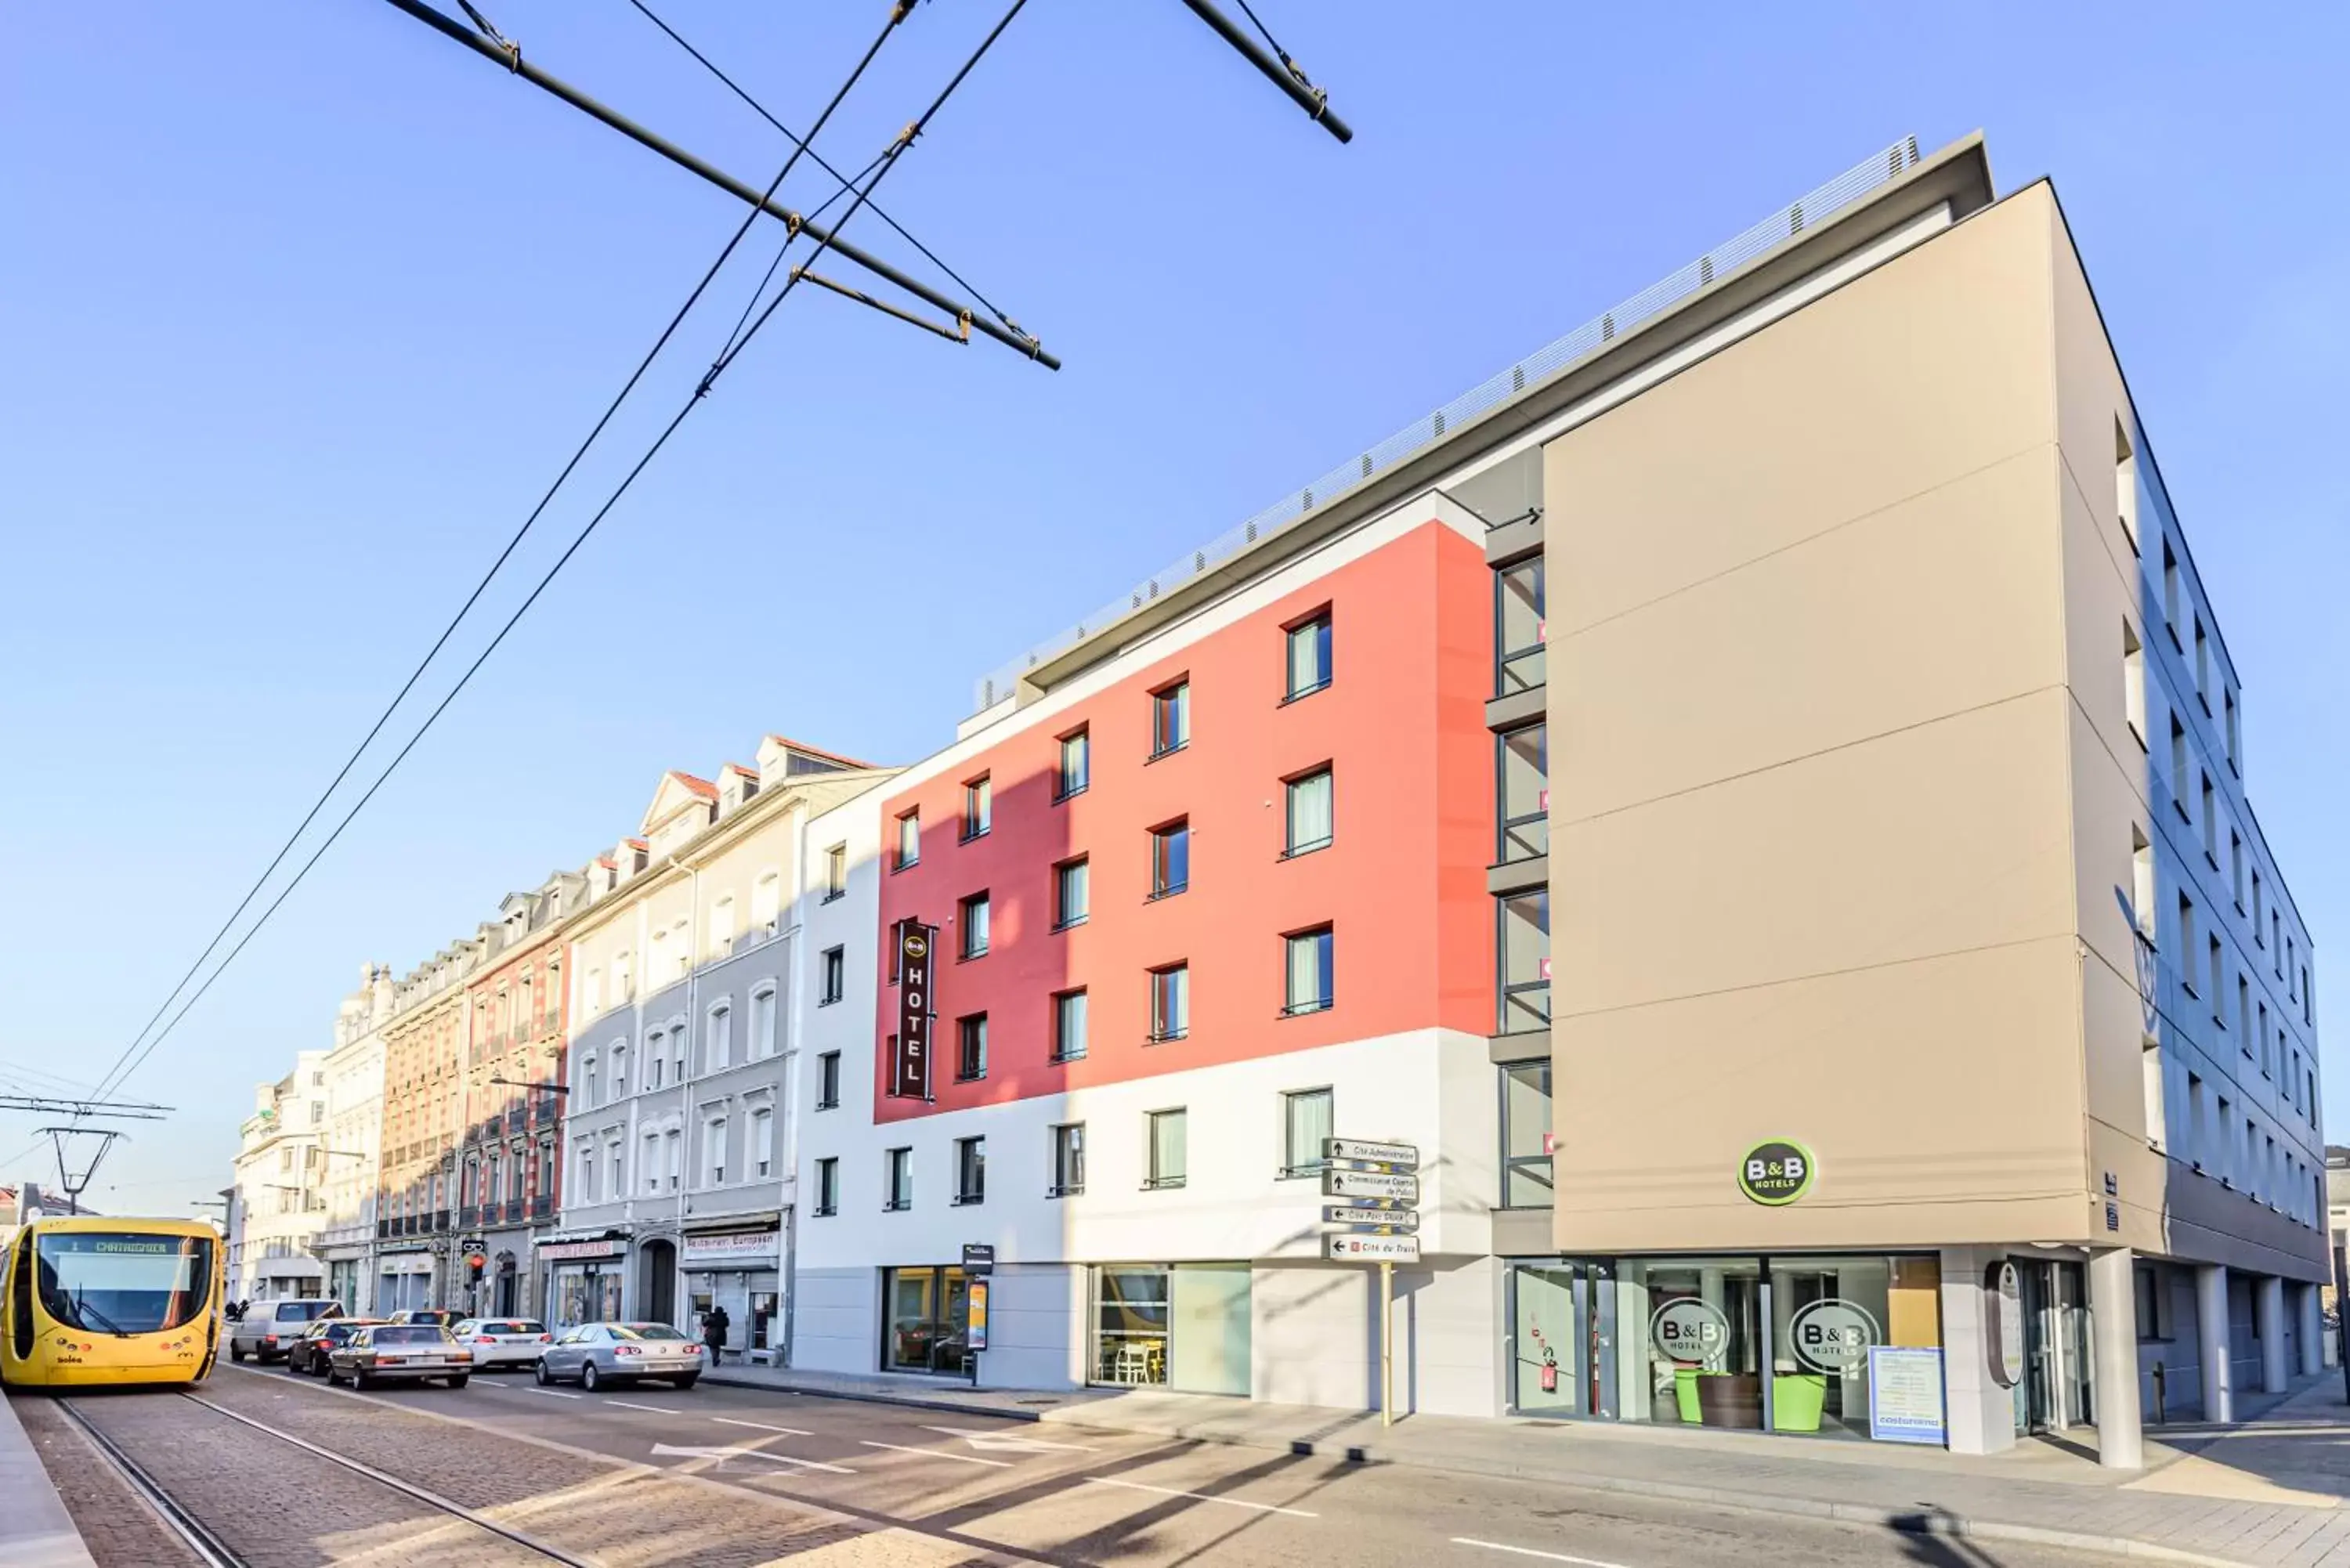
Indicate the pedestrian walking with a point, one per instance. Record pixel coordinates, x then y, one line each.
714 1323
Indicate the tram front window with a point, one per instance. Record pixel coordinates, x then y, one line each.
122 1283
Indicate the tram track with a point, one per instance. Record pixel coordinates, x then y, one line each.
218 1543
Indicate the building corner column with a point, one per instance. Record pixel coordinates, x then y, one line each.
2212 1372
2113 1319
2312 1330
1981 1413
2268 1319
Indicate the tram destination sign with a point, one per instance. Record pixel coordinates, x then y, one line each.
1350 1249
1373 1221
1370 1184
1385 1156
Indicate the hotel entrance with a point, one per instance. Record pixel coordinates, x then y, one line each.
2059 1387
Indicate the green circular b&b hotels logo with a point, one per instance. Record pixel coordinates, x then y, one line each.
1777 1172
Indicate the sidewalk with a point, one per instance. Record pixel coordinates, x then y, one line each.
2265 1492
35 1532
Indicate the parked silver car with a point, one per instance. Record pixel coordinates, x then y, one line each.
600 1353
418 1350
503 1341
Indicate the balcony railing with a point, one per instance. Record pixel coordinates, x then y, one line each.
440 1219
470 1215
1507 386
542 1208
383 1228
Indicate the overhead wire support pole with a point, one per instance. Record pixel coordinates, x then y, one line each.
1284 73
958 333
511 59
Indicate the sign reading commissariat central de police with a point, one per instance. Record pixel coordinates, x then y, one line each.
910 1062
1777 1172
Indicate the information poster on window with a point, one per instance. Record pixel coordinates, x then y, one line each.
1905 1395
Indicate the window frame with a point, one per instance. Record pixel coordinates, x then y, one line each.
827 1186
978 808
898 1179
1171 697
1082 865
1318 619
1068 1152
964 908
1326 932
1292 1168
970 1066
1167 834
1155 1178
1159 974
1060 1051
1327 772
970 1161
828 1078
1082 738
909 821
832 974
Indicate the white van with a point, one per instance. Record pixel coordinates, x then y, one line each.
269 1329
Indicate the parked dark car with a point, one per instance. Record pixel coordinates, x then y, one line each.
394 1350
311 1352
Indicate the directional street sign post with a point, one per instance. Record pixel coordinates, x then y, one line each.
1378 1222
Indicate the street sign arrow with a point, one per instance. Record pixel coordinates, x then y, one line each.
1370 1184
1381 1222
1400 1156
1004 1442
1372 1249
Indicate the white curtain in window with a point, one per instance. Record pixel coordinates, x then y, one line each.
1168 1130
1309 1124
1309 811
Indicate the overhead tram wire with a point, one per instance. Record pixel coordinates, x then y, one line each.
750 217
1284 73
693 400
875 208
509 59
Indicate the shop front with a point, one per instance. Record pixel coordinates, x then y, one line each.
403 1281
584 1279
1816 1345
926 1320
1183 1327
737 1269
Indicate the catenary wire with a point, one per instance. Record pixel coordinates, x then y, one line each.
1280 53
761 110
692 400
750 217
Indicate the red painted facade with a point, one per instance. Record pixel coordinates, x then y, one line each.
1402 885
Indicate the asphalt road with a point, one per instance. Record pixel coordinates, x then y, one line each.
855 1483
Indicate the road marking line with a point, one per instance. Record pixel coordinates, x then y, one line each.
748 1451
554 1392
1530 1551
939 1454
1203 1497
761 1426
1005 1442
624 1405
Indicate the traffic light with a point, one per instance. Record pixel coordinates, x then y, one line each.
474 1263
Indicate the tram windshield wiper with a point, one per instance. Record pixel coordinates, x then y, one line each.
83 1309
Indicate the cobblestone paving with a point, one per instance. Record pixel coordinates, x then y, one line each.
621 1515
278 1507
120 1531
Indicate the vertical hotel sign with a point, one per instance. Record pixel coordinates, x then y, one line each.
909 1063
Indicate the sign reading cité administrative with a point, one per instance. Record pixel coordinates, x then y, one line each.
910 1063
1776 1173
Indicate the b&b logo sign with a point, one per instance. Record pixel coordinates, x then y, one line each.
1833 1335
1776 1173
1690 1332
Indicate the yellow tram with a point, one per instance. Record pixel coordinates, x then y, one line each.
95 1300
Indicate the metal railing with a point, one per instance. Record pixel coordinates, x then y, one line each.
1490 393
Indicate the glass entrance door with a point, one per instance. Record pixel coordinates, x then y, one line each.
2059 1366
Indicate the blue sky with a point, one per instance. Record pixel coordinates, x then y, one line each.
303 306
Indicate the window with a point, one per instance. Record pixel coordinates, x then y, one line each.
828 1184
2276 941
828 1081
2126 485
971 1047
2227 1136
1068 1159
1306 1122
2258 904
1076 765
836 872
650 1164
722 927
620 1071
2202 666
2292 989
719 1042
1170 858
978 808
2142 894
1307 813
2178 766
2228 700
1071 893
763 1023
1171 1002
974 925
1069 1025
1525 963
2186 943
595 997
589 1097
2170 590
683 950
655 1061
2197 1124
2210 826
1522 777
2151 1087
2219 998
2133 682
623 983
2307 1006
971 1170
1525 1135
833 981
1170 718
1166 1131
2236 867
2258 1044
910 839
619 1178
767 900
586 1179
2244 1008
897 1189
1309 655
1519 630
713 1151
1309 986
2153 1316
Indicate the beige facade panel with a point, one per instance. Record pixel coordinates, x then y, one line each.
1936 1095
